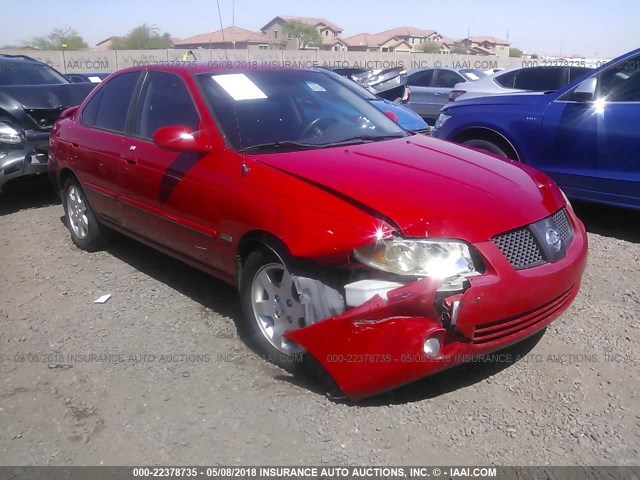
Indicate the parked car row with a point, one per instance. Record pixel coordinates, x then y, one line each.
584 135
433 88
336 224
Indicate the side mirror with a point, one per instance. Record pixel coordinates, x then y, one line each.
69 112
586 91
179 139
391 115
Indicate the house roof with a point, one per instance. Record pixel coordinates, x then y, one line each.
332 40
106 40
448 41
404 32
227 35
483 39
362 40
399 42
375 40
315 21
481 51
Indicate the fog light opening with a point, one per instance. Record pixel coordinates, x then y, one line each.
431 346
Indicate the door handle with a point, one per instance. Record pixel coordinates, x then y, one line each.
129 160
75 143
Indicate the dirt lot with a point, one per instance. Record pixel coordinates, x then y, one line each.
170 382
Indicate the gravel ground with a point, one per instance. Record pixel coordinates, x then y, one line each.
180 387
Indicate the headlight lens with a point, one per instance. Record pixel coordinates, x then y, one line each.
433 258
441 120
9 135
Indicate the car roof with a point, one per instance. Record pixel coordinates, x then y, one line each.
19 58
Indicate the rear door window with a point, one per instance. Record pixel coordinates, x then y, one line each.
539 79
506 80
448 79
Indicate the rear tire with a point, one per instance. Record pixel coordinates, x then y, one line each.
86 231
271 307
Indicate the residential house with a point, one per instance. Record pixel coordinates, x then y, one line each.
329 31
484 45
446 44
229 38
400 39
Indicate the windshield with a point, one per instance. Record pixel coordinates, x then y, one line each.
264 110
29 73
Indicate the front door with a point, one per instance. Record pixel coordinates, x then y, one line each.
164 194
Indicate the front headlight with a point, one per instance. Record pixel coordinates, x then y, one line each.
566 199
441 120
433 258
9 135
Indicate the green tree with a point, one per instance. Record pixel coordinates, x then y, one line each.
142 37
515 52
58 39
307 34
430 47
459 49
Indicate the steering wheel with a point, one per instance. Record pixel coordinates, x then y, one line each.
315 124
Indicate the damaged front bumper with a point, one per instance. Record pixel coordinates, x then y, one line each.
380 345
28 159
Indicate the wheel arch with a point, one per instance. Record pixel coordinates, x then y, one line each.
260 239
64 175
488 134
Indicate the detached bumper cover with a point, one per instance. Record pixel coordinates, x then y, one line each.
378 346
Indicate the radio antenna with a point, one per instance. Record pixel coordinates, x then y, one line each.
222 31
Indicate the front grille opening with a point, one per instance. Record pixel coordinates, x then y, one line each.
521 248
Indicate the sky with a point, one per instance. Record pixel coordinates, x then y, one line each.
591 28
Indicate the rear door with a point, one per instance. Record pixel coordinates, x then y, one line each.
421 98
593 148
98 141
443 83
165 195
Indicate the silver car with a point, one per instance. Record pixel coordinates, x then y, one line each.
430 88
517 80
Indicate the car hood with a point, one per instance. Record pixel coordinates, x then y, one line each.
407 119
426 187
39 105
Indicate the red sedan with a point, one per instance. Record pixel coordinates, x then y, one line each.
386 256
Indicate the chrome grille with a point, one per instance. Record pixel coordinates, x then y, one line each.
520 248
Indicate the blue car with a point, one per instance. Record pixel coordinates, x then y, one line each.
586 135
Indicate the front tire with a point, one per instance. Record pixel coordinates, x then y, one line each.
86 231
271 307
486 145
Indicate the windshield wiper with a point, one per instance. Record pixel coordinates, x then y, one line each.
280 145
357 139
